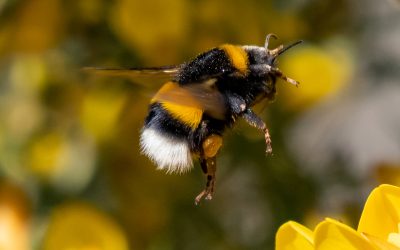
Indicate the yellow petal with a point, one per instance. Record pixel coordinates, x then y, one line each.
332 235
381 214
381 244
293 235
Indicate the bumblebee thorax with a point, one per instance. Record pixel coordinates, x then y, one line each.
257 54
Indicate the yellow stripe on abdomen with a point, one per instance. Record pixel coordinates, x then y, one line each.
180 104
238 57
188 115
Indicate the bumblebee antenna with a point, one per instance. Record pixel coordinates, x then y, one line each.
274 53
267 39
281 51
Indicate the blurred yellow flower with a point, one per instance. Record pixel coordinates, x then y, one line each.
45 154
66 162
100 112
28 74
80 226
36 26
379 227
154 29
27 77
15 215
208 13
321 73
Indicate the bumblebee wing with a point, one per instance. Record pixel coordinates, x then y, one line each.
171 71
142 76
203 96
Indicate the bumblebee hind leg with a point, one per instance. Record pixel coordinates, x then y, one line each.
209 168
208 163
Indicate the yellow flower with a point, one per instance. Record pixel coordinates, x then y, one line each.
328 235
293 235
381 215
64 161
15 216
35 26
100 112
45 154
322 72
153 28
331 235
379 227
81 226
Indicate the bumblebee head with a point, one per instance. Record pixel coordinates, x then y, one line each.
272 54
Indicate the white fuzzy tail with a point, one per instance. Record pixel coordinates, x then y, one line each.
167 153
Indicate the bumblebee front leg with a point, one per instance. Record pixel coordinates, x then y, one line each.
208 163
252 119
262 70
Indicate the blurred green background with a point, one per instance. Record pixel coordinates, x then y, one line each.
72 176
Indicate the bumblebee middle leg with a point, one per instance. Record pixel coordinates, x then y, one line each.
208 163
251 118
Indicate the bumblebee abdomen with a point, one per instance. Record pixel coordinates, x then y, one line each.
169 153
186 110
164 140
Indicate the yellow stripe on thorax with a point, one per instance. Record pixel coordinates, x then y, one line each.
179 102
237 56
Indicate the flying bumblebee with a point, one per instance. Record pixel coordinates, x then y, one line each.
189 114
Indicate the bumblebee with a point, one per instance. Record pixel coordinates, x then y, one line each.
203 97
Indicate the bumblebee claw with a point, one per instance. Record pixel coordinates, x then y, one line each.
291 81
198 198
269 150
209 166
206 194
268 142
